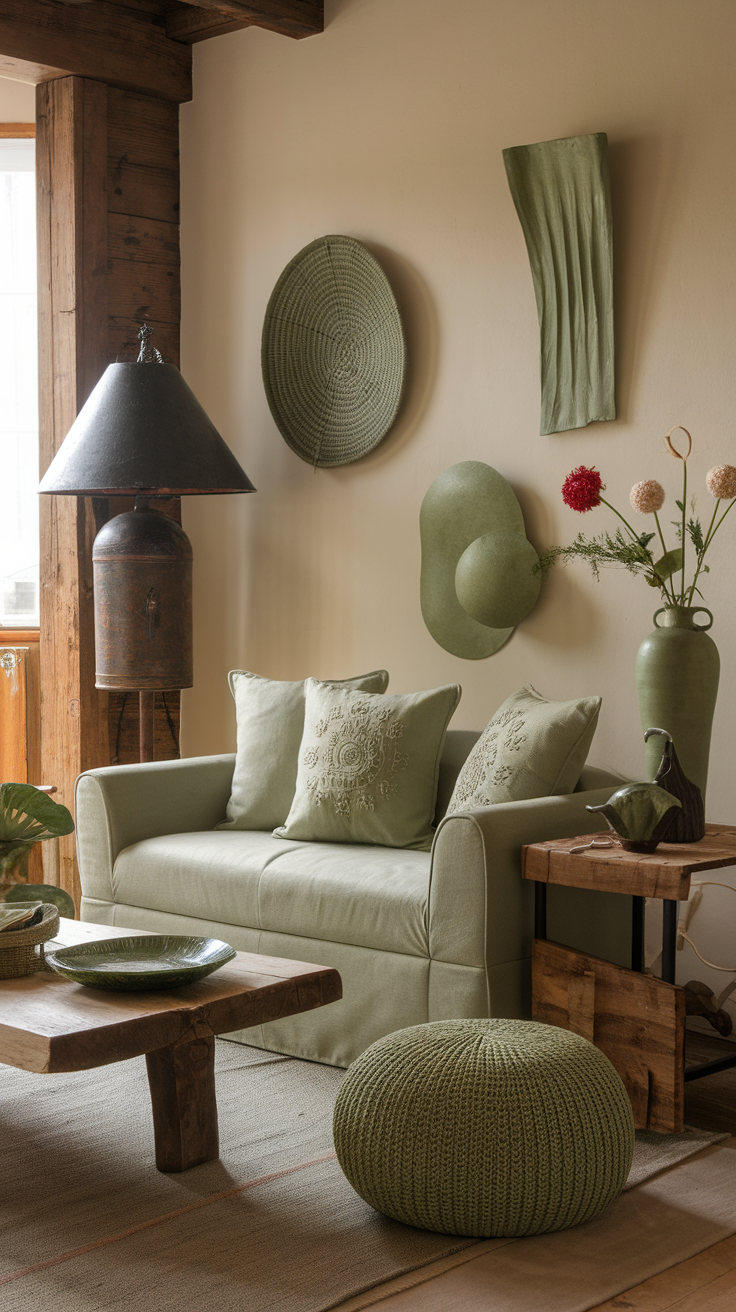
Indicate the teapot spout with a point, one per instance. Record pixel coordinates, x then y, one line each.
608 812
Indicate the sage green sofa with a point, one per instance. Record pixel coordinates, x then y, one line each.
416 936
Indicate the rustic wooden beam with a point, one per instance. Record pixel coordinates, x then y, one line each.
143 218
71 170
41 40
187 24
294 18
108 194
143 253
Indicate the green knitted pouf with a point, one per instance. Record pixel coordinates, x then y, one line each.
485 1128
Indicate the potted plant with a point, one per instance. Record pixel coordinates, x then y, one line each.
27 816
677 667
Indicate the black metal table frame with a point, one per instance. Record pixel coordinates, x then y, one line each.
669 948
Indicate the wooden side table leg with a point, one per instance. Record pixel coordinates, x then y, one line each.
669 939
540 909
182 1083
637 934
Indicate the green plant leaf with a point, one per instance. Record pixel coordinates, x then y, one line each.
695 532
669 563
28 815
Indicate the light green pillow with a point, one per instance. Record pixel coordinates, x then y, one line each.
531 748
368 766
270 720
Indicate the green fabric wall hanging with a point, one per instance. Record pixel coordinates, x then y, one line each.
562 193
332 352
476 581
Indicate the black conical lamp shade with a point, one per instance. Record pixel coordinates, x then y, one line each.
142 432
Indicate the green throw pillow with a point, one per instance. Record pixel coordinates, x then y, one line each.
531 748
270 720
368 766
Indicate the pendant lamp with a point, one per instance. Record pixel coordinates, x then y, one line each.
143 433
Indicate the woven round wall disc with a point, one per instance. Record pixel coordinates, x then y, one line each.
333 352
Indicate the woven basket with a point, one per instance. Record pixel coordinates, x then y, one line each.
21 950
333 353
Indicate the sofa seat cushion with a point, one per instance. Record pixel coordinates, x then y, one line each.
373 897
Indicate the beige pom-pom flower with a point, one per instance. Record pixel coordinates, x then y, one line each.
721 481
647 496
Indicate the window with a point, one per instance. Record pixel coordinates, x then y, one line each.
19 541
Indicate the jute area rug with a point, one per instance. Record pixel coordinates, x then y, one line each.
88 1224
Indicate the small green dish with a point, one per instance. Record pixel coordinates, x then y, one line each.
140 964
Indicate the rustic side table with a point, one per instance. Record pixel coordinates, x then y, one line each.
638 1021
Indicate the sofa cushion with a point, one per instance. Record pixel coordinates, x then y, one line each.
270 720
368 766
371 897
532 747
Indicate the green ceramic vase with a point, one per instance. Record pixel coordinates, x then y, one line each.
677 671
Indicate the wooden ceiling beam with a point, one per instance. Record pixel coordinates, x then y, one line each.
188 24
43 39
294 18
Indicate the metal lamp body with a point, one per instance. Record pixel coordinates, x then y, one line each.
142 563
142 433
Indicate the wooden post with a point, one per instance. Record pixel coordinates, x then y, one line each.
146 708
108 246
71 167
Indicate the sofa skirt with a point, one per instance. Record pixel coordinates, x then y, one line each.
382 991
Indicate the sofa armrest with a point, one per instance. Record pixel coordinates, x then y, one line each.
480 909
123 804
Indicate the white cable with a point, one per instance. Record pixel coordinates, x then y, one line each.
691 906
682 930
713 883
728 969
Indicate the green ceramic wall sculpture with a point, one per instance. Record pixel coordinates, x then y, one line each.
562 193
477 581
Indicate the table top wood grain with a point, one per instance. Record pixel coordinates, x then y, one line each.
48 1023
664 873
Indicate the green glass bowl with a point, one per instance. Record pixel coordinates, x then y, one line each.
153 961
62 900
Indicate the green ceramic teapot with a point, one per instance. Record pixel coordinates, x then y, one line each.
640 814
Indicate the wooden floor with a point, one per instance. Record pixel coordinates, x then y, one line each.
706 1282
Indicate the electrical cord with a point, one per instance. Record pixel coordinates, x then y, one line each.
683 936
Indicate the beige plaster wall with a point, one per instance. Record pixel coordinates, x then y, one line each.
390 127
17 101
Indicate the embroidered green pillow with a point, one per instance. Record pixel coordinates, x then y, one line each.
270 720
368 766
531 748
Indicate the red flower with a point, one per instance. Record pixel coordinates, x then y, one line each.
582 489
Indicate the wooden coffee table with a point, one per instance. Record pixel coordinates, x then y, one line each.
48 1024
